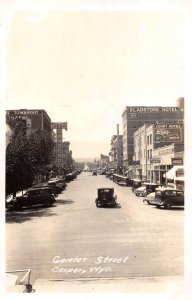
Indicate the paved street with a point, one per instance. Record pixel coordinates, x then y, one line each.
132 240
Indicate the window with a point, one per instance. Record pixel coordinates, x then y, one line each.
147 153
150 138
150 153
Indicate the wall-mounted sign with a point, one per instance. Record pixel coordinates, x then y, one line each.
155 160
152 109
176 161
59 125
23 112
168 133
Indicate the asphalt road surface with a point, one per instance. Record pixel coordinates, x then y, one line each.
74 239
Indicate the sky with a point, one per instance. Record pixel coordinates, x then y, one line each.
83 67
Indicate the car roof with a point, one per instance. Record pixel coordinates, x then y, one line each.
151 183
167 189
40 188
105 188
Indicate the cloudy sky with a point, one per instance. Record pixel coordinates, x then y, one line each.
84 67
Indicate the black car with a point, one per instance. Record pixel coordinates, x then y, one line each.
105 197
34 196
168 197
94 173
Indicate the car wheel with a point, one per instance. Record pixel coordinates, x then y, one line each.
158 206
97 205
167 206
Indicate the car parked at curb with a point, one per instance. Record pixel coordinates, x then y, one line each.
33 197
149 198
168 197
146 188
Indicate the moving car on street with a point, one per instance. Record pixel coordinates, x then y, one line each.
168 197
34 196
105 197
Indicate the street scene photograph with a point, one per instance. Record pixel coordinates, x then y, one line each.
95 188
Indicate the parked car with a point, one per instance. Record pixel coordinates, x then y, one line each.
167 197
105 197
56 185
34 196
94 173
141 191
149 198
136 185
146 188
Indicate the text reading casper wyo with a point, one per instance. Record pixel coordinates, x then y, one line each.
105 261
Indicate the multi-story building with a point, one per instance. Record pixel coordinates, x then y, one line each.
152 158
136 116
116 152
104 161
34 118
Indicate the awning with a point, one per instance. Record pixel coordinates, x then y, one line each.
171 174
179 178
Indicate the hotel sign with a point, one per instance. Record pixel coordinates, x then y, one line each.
171 133
152 109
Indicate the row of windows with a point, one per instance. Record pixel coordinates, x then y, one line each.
139 154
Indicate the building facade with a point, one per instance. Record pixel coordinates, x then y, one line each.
135 117
116 152
152 159
34 118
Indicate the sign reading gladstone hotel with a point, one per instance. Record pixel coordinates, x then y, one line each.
152 109
134 111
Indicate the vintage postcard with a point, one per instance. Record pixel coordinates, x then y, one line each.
95 105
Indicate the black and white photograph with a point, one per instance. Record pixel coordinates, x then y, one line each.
95 106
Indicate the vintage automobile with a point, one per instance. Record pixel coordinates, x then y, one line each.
146 188
94 173
33 196
105 197
168 197
149 198
136 184
57 185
